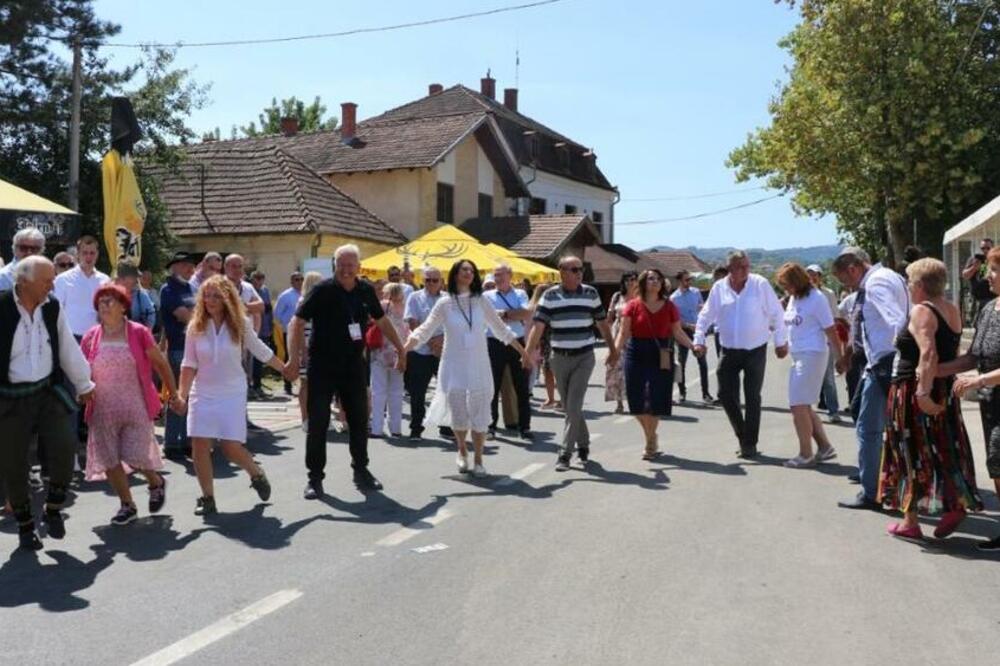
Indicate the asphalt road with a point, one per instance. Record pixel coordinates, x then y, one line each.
696 558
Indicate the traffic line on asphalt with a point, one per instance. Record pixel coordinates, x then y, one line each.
413 529
431 548
521 474
219 630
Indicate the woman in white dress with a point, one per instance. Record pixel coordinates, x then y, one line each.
214 385
465 380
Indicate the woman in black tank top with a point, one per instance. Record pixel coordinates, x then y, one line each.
927 463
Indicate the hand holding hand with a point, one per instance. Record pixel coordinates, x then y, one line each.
526 361
699 350
289 372
612 357
964 383
782 351
928 406
844 364
178 405
401 362
84 398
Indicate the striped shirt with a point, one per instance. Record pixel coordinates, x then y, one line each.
571 316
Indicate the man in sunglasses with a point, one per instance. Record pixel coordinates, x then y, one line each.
422 363
27 242
572 311
63 262
284 310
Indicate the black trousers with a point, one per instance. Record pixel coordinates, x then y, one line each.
420 368
349 383
751 363
682 357
501 358
853 378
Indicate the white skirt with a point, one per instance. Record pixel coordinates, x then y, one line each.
460 409
805 377
218 417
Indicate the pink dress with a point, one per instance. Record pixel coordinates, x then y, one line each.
120 428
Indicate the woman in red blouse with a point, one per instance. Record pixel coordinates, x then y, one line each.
647 325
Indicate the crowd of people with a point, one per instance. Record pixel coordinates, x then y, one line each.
87 358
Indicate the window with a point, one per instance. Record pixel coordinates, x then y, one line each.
531 145
537 206
597 217
446 203
562 153
570 209
485 206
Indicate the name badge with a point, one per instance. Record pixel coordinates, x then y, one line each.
355 331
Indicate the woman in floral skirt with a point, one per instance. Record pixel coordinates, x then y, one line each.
614 375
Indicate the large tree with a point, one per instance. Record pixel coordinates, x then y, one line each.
890 118
35 91
311 117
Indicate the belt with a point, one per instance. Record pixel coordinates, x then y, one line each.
572 352
24 389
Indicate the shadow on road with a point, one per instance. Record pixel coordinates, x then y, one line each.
26 579
252 528
147 539
377 508
703 466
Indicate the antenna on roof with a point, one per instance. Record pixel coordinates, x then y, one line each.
517 67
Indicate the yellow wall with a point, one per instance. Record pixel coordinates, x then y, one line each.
276 254
395 196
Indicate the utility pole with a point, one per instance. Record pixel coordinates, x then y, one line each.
74 130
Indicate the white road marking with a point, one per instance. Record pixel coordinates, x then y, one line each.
412 530
368 553
521 474
595 436
622 419
224 627
431 548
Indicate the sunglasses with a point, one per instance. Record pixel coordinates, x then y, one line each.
432 280
65 264
572 269
29 248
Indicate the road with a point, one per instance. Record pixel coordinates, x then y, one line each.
696 558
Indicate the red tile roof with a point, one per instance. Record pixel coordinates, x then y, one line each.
538 237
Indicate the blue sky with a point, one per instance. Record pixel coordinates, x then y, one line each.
661 90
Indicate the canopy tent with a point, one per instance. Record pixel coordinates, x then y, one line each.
441 248
20 208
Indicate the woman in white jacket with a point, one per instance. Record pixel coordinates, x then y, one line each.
213 384
465 380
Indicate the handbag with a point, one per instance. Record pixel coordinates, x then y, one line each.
373 337
666 353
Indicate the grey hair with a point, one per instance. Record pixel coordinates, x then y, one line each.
28 234
427 270
851 256
349 248
212 255
25 269
392 289
232 257
503 266
567 259
736 255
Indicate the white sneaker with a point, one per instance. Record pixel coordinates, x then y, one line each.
479 472
799 462
463 463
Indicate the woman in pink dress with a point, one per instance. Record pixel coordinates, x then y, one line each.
122 356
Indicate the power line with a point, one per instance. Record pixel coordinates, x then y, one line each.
344 33
700 215
692 197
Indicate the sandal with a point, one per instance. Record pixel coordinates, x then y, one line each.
800 462
949 523
905 533
829 453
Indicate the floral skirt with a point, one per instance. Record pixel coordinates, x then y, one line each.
927 462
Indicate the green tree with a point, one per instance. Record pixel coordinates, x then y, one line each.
890 118
311 117
35 90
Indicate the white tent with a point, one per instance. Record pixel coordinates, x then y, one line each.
962 240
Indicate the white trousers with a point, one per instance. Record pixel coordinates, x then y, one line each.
387 392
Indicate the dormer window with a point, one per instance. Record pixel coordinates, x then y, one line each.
531 145
562 154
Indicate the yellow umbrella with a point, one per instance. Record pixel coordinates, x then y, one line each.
524 268
439 248
13 197
124 210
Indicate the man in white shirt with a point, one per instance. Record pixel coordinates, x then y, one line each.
828 396
251 299
37 353
745 310
512 305
210 265
75 288
27 242
422 363
881 310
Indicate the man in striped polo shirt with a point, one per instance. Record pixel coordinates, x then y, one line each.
572 310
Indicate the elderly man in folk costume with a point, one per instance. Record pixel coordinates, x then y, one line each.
37 352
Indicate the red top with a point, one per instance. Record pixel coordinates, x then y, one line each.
648 325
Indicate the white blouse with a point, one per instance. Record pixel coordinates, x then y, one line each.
219 360
465 359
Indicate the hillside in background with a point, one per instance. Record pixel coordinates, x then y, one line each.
819 254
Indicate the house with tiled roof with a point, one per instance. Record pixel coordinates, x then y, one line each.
542 238
561 174
260 201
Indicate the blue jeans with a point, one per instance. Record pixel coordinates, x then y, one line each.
175 433
830 388
870 425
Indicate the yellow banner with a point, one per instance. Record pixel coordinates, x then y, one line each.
124 210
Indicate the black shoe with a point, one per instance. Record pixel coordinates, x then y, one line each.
684 397
708 399
365 480
860 501
491 434
35 480
583 453
54 519
125 515
416 436
992 544
527 436
562 464
313 490
28 540
158 496
205 506
262 486
446 432
854 478
747 454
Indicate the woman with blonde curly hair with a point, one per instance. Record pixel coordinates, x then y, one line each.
213 385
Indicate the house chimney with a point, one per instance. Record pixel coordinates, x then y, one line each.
289 126
348 121
488 86
510 98
435 89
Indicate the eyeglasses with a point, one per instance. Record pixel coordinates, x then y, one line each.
432 280
572 269
29 248
65 264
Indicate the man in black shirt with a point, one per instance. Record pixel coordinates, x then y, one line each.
975 272
339 310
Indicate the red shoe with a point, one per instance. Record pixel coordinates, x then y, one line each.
949 523
909 533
